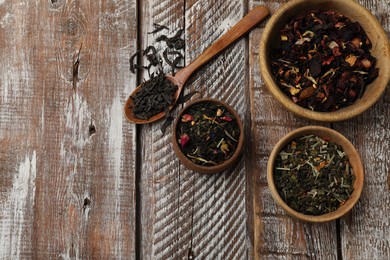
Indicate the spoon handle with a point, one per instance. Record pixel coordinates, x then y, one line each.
254 17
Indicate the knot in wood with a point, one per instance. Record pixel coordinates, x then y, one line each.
71 27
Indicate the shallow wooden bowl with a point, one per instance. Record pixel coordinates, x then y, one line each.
352 10
354 159
208 169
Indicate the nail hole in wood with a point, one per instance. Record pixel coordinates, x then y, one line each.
87 202
92 129
191 254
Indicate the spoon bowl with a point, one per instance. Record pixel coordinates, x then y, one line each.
254 17
129 103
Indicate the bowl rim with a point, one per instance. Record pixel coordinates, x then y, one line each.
342 113
352 153
201 168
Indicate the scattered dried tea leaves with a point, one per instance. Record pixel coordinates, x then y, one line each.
313 176
173 44
323 61
133 62
174 64
158 28
152 56
182 99
205 135
168 120
175 41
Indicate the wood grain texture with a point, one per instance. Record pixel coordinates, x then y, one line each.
67 155
159 179
184 211
276 235
364 234
70 163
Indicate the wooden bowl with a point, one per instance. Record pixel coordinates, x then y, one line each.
350 151
201 168
355 12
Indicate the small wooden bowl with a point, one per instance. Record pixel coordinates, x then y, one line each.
354 159
355 12
208 169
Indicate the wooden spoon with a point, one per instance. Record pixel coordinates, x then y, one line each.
254 17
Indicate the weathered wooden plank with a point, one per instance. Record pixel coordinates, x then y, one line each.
219 229
159 179
19 118
183 210
364 234
69 175
276 235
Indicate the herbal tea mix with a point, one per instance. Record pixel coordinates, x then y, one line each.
313 176
208 133
323 61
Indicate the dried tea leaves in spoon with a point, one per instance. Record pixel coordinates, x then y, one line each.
155 96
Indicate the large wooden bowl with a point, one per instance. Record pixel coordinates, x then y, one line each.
354 159
352 10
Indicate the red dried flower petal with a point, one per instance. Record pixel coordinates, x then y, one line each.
184 138
187 118
226 118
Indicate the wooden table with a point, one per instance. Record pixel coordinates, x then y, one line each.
80 182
